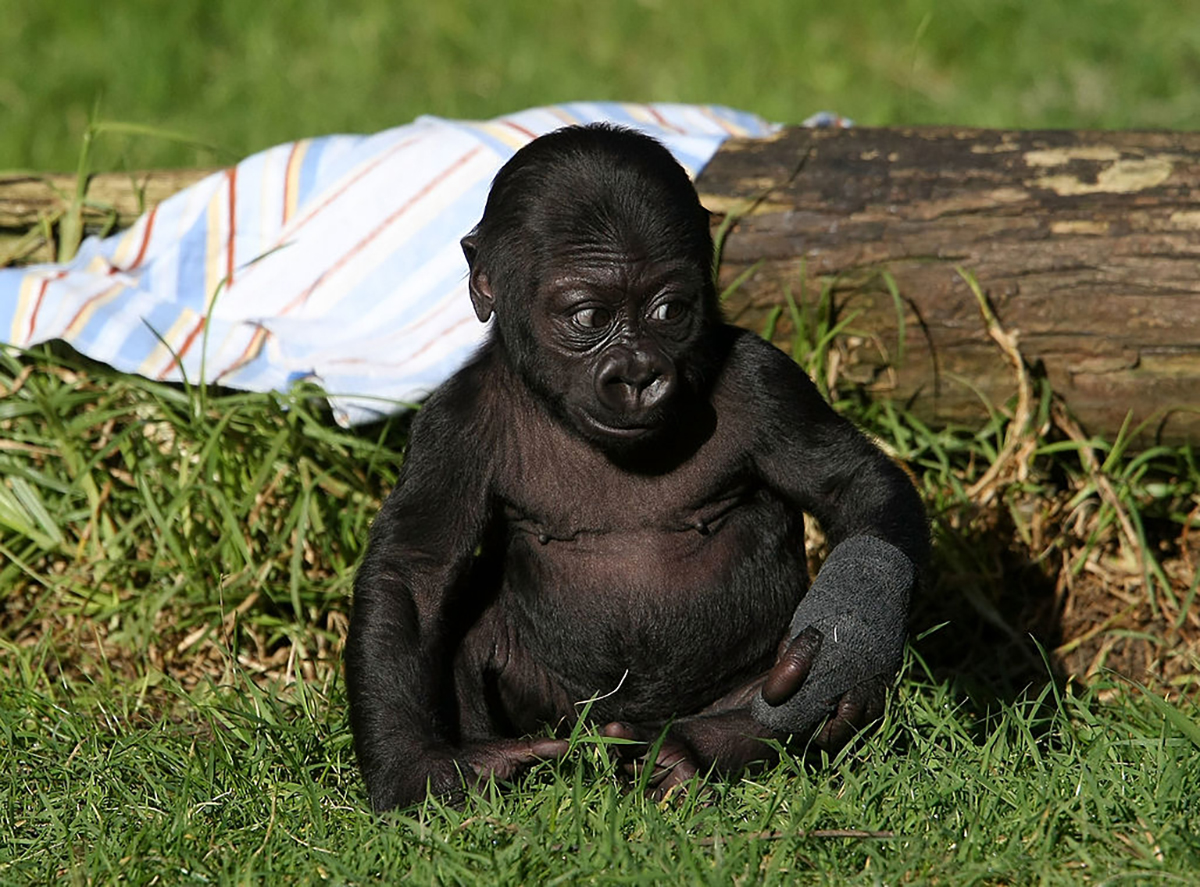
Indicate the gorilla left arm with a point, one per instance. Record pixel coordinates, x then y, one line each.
847 634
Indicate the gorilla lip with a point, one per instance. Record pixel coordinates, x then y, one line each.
622 431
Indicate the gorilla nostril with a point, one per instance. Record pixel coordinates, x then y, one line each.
634 391
620 395
656 390
629 381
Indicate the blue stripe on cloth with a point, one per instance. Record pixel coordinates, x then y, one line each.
309 166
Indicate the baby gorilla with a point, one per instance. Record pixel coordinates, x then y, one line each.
607 502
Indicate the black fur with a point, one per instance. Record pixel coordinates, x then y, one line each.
611 494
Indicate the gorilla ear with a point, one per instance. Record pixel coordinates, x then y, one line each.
481 289
481 296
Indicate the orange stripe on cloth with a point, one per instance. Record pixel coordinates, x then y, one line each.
251 351
291 178
345 186
213 244
562 114
726 125
232 226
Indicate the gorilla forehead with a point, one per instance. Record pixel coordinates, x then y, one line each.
605 271
599 187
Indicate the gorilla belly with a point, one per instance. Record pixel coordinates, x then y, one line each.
668 619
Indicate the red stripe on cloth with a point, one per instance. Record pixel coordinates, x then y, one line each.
440 337
187 343
362 244
408 358
37 302
522 130
663 122
145 239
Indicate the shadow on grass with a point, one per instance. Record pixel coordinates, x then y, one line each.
989 613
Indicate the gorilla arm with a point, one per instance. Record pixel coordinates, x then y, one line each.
399 648
847 634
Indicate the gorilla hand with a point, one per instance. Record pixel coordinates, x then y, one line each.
674 764
847 637
725 741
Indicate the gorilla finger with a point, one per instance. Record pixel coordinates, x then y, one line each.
548 749
873 704
672 755
836 733
503 760
673 781
632 746
793 666
672 766
857 709
863 704
619 730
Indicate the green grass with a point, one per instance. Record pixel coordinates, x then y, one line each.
250 787
175 563
175 567
244 76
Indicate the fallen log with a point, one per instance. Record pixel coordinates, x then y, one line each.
32 204
1084 245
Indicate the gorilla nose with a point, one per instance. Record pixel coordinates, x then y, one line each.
632 381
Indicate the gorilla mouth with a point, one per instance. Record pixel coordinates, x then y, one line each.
621 432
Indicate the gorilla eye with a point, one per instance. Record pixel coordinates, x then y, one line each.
592 318
670 310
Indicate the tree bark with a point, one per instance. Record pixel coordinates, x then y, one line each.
29 201
1085 245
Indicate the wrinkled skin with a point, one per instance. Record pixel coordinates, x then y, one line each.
606 504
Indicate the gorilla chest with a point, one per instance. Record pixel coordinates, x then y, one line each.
583 521
684 579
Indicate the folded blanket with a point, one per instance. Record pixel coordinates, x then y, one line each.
334 259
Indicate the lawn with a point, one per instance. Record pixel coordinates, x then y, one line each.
175 561
240 77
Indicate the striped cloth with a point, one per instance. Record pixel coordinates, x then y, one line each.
334 259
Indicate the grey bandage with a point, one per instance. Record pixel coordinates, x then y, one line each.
859 602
